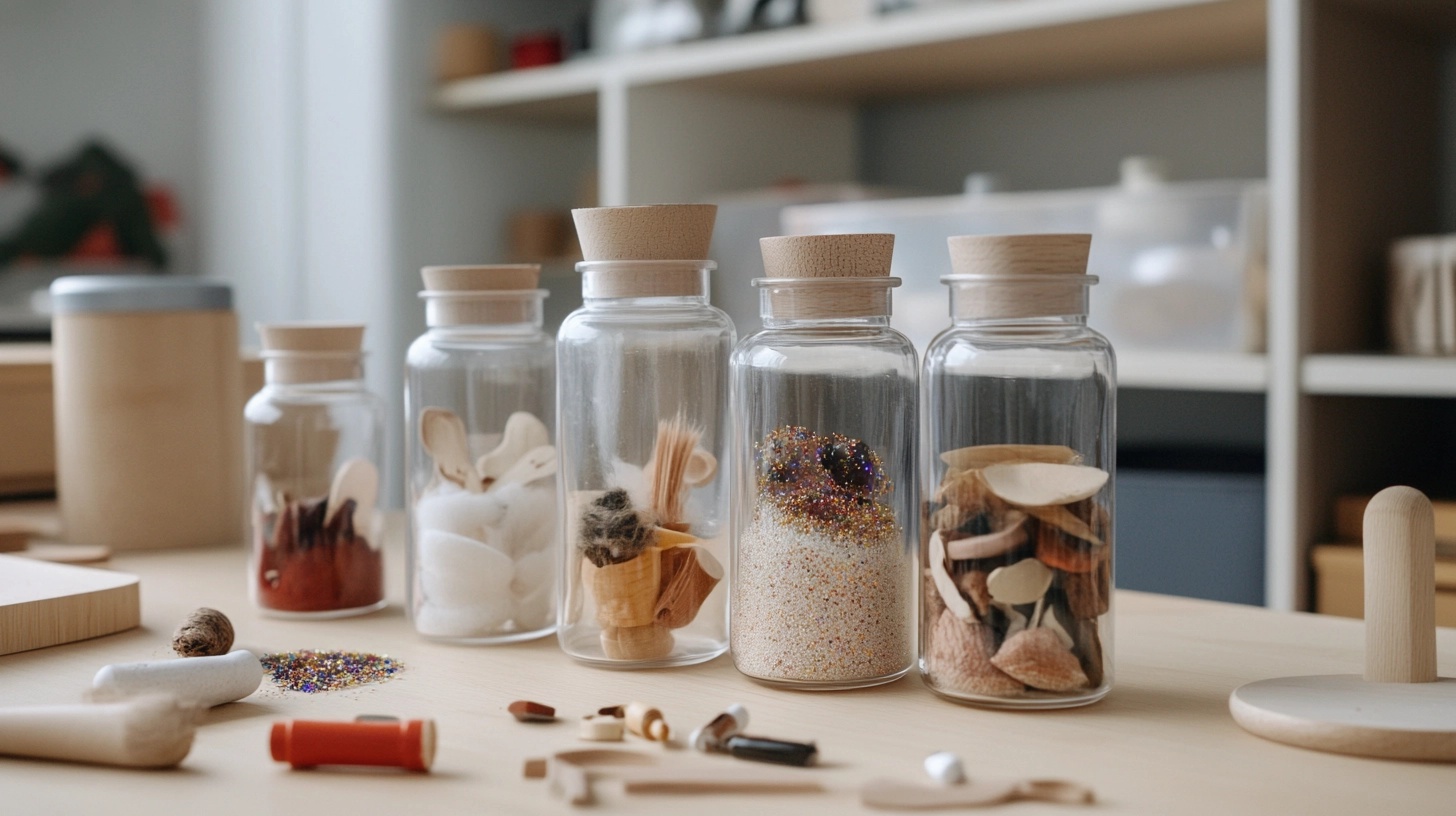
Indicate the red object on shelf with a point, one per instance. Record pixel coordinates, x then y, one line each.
536 49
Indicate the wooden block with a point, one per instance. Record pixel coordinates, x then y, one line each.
43 604
1350 521
1340 583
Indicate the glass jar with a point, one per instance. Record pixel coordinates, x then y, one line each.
480 414
315 439
642 425
1019 407
824 442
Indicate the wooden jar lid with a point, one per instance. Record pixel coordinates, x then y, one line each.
312 352
488 294
1010 276
482 278
654 232
655 235
828 276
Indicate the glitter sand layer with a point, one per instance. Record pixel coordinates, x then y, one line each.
814 607
309 671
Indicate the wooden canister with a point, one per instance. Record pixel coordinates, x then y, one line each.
149 449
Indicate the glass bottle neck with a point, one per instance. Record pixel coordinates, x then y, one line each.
645 283
834 323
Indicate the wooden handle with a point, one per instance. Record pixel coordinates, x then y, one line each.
1400 587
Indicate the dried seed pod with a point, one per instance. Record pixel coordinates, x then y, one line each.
1067 553
959 659
973 584
1088 646
205 633
1088 594
1037 658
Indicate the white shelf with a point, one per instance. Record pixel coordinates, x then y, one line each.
1193 371
958 47
1380 375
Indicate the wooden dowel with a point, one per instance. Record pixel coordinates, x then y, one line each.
1400 587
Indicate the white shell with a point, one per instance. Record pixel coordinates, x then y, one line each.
946 585
356 479
979 456
1040 484
523 433
1021 583
991 544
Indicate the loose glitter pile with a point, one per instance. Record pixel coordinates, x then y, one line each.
823 587
309 671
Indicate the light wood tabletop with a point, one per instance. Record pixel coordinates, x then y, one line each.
1161 743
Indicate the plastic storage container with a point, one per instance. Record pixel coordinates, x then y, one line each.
824 418
480 408
149 445
642 411
1181 264
1018 408
315 437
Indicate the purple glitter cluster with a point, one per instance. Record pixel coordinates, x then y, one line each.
831 481
309 671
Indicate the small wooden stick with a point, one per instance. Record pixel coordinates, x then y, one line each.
153 731
689 574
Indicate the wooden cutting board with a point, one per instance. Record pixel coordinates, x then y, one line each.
44 604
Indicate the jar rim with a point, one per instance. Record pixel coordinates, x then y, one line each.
1077 278
876 282
663 265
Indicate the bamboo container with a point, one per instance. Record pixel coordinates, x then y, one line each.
147 389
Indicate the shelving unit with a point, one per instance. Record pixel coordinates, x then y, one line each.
1351 127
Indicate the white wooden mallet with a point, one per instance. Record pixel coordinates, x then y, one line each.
1399 709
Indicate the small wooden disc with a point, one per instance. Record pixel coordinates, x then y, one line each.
1344 714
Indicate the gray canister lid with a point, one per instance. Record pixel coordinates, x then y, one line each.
79 294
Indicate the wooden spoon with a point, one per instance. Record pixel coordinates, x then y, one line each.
443 435
356 479
889 794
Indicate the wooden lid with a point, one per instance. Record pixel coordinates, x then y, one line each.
1020 254
655 232
312 337
312 352
1019 276
827 256
482 278
826 277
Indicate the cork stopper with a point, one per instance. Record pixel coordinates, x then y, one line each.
1013 276
312 352
648 251
655 232
492 294
827 276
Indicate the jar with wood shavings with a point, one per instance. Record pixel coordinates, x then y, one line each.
824 412
480 416
642 425
1018 410
315 439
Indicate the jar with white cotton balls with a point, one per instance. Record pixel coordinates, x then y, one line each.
480 396
643 426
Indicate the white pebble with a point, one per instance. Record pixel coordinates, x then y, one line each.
946 768
602 728
456 571
482 618
457 511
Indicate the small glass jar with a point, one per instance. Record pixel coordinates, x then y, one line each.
315 439
1019 407
642 425
480 414
824 417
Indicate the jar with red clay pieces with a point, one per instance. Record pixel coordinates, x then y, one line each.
1018 408
315 440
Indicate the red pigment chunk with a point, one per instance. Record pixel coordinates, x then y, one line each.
527 711
309 566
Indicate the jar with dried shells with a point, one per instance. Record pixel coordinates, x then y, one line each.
1018 416
642 392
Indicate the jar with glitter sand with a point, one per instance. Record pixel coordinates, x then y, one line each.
480 403
1017 473
824 413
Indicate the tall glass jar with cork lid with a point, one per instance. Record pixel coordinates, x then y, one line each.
824 445
315 439
642 374
1018 411
480 415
